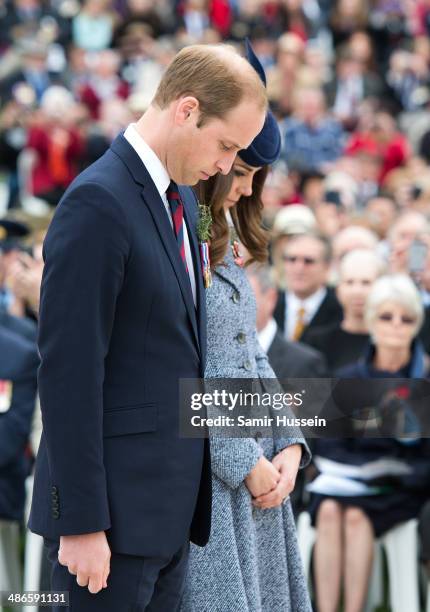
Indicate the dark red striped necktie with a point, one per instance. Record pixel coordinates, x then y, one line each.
177 210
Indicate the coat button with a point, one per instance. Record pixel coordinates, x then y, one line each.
247 365
55 514
54 490
241 338
54 497
236 297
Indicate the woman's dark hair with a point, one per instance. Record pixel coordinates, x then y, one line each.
246 215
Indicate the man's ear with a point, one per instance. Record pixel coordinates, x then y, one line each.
187 110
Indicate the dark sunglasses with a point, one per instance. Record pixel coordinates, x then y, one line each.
308 261
388 317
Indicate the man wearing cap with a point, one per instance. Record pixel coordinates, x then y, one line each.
117 493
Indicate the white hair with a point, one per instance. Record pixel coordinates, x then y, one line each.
362 257
397 288
345 184
56 100
423 225
367 238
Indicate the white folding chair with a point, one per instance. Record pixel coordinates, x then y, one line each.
401 548
10 567
33 552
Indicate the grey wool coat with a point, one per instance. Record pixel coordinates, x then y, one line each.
252 562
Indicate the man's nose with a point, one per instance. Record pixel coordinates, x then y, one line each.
225 163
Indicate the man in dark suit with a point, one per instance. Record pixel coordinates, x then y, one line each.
117 493
308 302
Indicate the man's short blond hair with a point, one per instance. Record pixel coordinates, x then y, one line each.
216 75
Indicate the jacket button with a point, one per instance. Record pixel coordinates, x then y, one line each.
236 297
55 514
54 490
241 338
54 497
247 365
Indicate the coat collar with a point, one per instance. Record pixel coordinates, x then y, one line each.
230 271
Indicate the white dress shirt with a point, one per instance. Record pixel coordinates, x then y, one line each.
161 180
293 305
267 335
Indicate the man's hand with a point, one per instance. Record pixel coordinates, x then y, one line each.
287 462
88 558
262 478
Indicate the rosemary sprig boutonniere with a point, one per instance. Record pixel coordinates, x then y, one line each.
204 224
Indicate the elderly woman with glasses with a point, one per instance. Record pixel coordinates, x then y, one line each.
352 509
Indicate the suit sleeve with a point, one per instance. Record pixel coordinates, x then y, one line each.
85 254
266 373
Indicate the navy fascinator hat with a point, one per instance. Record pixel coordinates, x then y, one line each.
266 146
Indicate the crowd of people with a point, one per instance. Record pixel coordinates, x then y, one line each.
346 206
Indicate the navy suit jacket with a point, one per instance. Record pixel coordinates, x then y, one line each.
118 329
18 368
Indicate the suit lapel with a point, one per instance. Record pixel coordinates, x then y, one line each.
318 314
155 204
190 216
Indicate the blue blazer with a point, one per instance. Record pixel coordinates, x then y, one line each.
118 329
18 372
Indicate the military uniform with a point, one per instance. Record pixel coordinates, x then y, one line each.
18 384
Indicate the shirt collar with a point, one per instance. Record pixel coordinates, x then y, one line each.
267 334
150 160
310 304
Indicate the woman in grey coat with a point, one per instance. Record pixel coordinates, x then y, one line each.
252 562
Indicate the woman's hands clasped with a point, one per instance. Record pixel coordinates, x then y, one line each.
270 483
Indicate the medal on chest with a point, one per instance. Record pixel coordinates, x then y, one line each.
204 233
